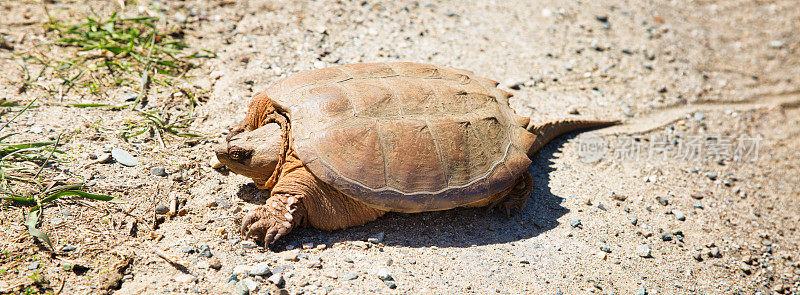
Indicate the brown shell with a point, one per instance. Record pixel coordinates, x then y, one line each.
405 137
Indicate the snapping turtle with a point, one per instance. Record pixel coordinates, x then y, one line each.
341 146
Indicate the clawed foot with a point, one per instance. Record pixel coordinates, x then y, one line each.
517 197
268 223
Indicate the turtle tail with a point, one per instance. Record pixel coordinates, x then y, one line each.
547 131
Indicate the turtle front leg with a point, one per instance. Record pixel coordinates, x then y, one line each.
273 220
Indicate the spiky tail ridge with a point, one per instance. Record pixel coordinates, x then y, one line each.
550 130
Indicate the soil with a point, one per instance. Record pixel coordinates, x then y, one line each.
723 222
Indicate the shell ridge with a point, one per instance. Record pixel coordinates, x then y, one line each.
383 155
395 97
438 151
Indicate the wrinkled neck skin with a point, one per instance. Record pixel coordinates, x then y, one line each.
263 111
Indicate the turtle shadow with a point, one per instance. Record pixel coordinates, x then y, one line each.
460 227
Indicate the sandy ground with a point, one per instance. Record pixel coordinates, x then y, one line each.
587 225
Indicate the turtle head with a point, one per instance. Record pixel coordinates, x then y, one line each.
254 153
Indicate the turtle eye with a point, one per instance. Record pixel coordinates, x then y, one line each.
238 154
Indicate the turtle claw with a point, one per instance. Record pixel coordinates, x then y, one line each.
268 223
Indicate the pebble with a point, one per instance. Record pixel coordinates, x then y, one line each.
290 255
601 18
185 278
205 251
698 256
633 219
666 237
241 269
642 291
68 248
390 284
104 158
215 264
711 175
679 214
158 171
162 209
249 244
251 285
513 83
605 248
644 251
123 157
203 264
378 238
663 201
215 163
241 289
277 280
33 265
216 75
384 274
261 269
350 276
697 206
575 222
714 253
776 44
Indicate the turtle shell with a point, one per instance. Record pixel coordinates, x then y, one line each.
405 137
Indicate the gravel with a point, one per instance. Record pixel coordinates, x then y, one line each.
644 251
162 209
205 251
158 171
679 215
123 157
384 274
277 280
349 276
261 269
575 222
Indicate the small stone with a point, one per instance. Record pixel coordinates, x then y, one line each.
776 44
185 278
697 206
104 158
261 269
679 215
241 269
662 89
642 291
277 280
618 197
633 219
378 238
162 209
123 157
205 251
33 265
575 222
290 255
203 264
232 279
513 83
188 249
158 171
68 248
249 244
714 253
215 264
601 207
605 248
711 175
252 285
663 201
601 18
697 195
216 75
644 251
307 246
666 237
241 289
390 284
698 256
573 110
350 276
215 163
384 274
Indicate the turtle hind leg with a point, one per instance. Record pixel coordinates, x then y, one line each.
516 197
